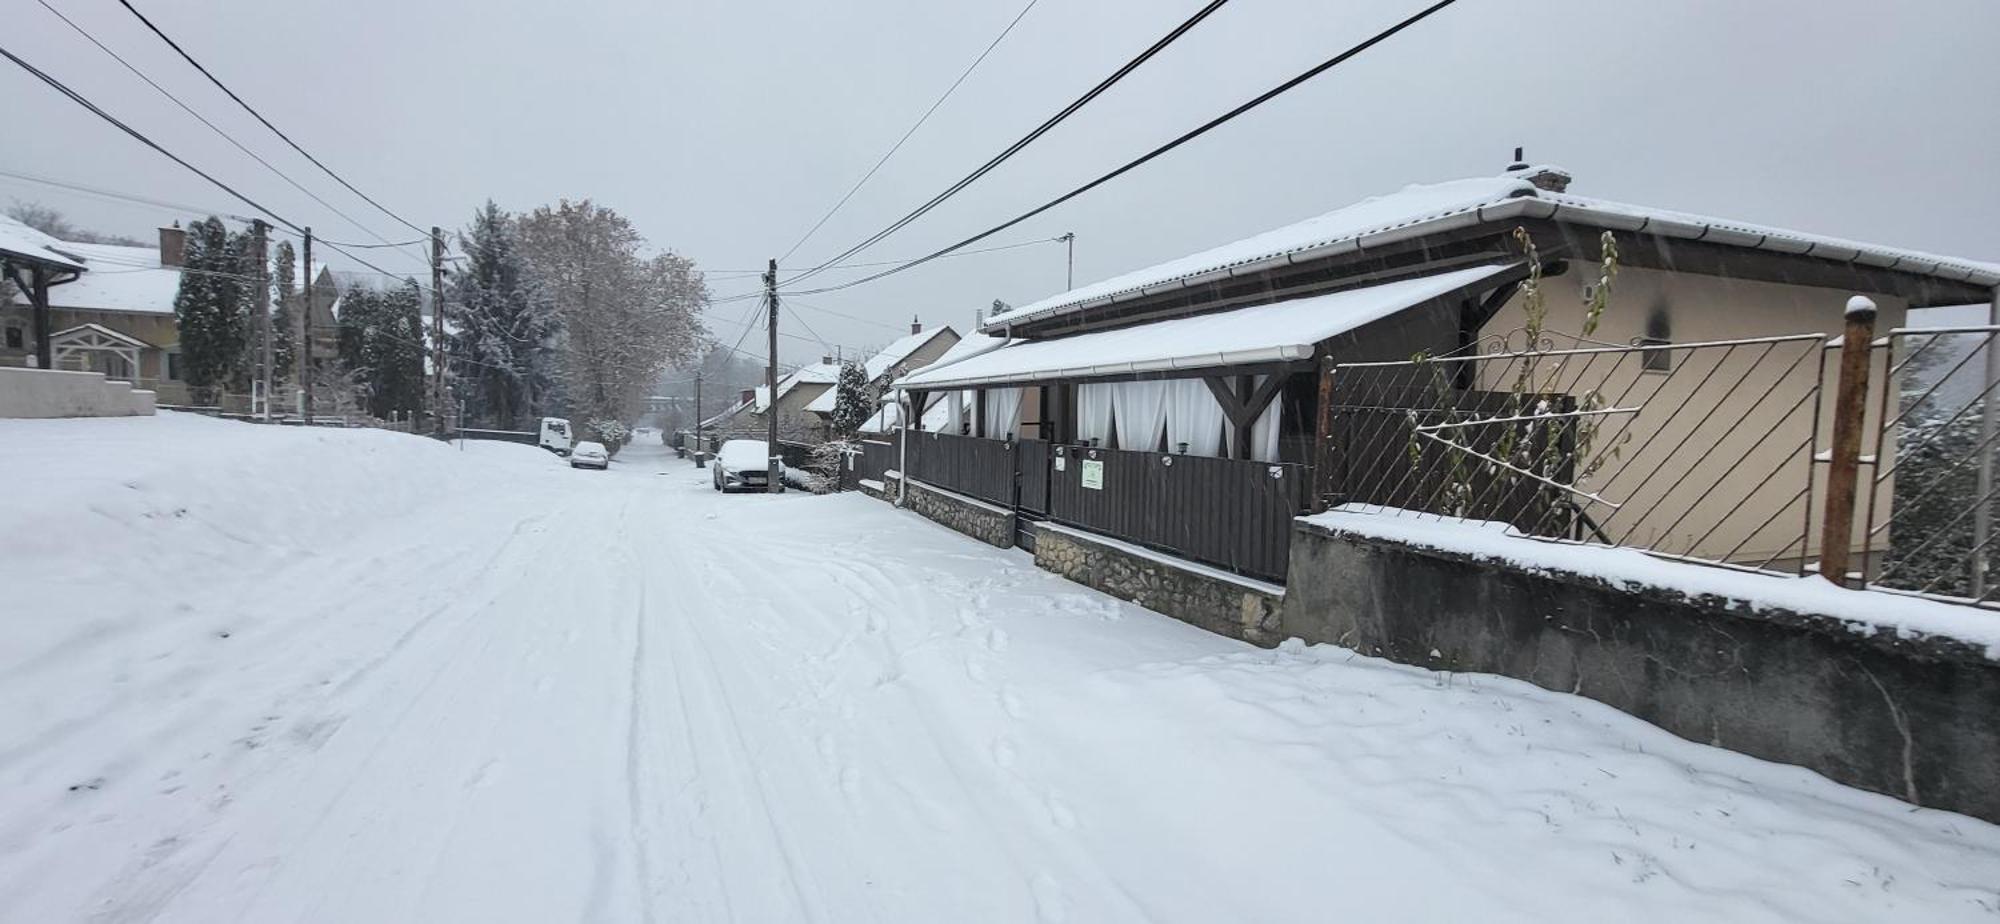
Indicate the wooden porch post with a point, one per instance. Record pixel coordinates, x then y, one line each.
979 412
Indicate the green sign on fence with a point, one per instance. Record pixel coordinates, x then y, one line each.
1093 474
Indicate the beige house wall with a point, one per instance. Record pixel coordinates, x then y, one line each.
1677 496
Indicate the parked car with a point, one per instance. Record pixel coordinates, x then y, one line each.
555 435
589 455
744 465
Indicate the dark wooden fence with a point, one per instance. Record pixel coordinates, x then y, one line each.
1032 461
1231 513
528 437
875 460
969 465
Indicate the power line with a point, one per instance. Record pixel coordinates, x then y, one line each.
1026 140
837 314
1197 132
176 207
912 130
127 4
963 253
79 99
204 120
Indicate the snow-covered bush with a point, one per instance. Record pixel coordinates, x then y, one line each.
614 434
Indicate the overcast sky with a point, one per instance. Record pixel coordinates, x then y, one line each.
724 128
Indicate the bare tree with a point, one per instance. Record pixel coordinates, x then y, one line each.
625 317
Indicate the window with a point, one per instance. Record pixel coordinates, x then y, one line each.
1659 333
174 367
15 339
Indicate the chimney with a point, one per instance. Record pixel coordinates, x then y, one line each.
173 245
916 326
825 360
1545 178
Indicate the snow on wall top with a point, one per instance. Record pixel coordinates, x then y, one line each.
1279 331
1863 612
21 240
1416 209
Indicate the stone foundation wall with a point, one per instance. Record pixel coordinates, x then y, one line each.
1911 717
982 521
1191 593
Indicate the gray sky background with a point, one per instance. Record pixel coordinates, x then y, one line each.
724 128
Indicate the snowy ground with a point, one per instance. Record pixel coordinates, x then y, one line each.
265 675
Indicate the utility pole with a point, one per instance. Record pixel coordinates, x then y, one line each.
773 482
261 304
1069 277
437 325
304 363
697 418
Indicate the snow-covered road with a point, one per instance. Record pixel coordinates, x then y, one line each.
262 675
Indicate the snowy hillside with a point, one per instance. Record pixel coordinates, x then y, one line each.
271 675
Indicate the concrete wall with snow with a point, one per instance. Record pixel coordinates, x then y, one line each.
39 393
1885 693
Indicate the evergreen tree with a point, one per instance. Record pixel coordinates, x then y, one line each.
502 343
212 308
854 400
284 345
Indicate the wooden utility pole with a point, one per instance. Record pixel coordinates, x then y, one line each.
773 481
304 362
697 418
1850 403
260 302
437 326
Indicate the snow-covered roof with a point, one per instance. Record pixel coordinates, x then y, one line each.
936 415
119 278
19 240
1278 332
813 374
726 416
896 352
1430 209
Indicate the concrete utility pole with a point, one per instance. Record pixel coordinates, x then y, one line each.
697 417
773 481
437 325
1069 277
304 363
261 303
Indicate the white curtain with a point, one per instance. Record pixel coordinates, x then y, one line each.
1093 413
1003 412
1194 417
1141 408
1264 433
954 421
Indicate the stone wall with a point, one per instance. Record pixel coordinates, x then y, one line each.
1897 713
60 393
1195 594
978 519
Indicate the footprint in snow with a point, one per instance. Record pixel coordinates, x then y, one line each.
996 640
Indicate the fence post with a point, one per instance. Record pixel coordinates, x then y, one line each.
1850 403
1322 454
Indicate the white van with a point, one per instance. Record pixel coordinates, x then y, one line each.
555 435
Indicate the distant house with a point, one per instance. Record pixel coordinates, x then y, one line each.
117 316
796 390
915 350
944 412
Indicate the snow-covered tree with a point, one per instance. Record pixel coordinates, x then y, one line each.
502 347
285 315
855 400
381 346
624 317
212 308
